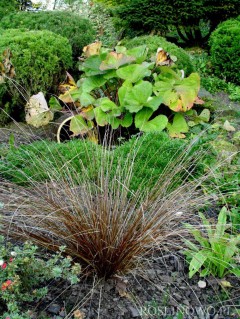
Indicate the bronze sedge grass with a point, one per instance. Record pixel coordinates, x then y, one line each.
100 220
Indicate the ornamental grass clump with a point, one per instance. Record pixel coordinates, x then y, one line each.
99 219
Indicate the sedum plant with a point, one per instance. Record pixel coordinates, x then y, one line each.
218 249
121 88
24 275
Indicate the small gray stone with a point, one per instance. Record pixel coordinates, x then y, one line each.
134 312
177 296
54 308
62 313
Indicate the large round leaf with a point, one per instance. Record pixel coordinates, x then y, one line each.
134 72
136 97
155 125
178 126
78 125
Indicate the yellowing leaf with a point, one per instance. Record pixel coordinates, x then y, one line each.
37 111
163 58
178 126
114 60
6 67
92 49
68 85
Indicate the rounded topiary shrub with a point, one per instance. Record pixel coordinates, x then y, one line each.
40 59
225 50
76 29
154 42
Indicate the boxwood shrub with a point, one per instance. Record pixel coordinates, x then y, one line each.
154 42
40 59
225 50
76 29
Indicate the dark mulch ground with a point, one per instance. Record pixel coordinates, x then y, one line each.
159 290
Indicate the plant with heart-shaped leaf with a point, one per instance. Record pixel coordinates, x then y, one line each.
121 89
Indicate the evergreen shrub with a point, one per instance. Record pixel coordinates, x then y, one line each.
76 29
40 59
225 50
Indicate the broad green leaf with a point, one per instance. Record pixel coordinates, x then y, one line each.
140 53
91 66
78 125
92 82
110 74
154 102
126 86
196 263
54 104
136 97
127 120
114 122
165 90
168 73
114 60
121 49
101 117
86 99
178 126
205 115
155 125
134 72
109 107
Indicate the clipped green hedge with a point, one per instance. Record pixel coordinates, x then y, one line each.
154 42
225 50
76 29
40 59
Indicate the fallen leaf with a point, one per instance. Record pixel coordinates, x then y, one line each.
37 111
225 284
78 314
121 286
228 127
